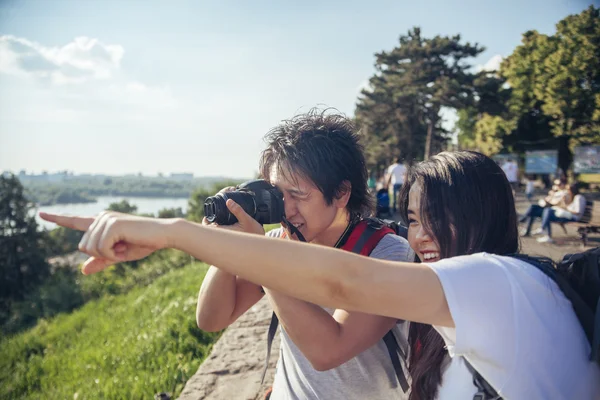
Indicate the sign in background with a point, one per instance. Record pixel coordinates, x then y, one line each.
586 160
541 162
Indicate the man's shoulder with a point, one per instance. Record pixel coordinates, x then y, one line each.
394 248
275 233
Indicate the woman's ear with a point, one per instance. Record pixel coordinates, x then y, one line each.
342 196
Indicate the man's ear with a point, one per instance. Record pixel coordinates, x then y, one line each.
343 194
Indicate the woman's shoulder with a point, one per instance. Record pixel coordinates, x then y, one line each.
489 266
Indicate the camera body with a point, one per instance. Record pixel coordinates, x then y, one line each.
259 199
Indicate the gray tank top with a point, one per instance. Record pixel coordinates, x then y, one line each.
369 375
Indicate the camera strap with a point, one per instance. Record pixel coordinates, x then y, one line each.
293 229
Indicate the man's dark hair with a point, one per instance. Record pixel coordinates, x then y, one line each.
323 147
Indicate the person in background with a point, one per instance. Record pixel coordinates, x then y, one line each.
395 178
530 187
511 170
569 210
555 196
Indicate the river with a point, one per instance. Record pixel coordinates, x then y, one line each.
144 205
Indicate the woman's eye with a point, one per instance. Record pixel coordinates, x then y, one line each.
412 221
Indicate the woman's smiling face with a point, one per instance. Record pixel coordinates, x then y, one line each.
424 245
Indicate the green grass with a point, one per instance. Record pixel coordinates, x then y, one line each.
127 346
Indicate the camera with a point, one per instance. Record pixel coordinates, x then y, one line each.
259 199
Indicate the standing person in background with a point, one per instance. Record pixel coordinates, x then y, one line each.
511 170
530 188
395 178
372 182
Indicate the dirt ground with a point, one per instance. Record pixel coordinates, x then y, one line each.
234 368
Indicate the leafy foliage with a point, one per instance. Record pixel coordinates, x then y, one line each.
399 114
22 252
553 88
123 206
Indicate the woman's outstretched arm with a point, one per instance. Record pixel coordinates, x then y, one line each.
318 274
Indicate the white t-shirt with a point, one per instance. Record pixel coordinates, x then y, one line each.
397 172
577 206
516 328
511 170
369 375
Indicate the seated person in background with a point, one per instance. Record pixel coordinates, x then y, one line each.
554 197
569 210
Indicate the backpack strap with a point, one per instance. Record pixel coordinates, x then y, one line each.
485 390
270 336
366 235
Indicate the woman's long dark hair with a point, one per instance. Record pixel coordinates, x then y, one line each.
467 207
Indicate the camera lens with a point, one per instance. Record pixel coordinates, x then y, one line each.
215 208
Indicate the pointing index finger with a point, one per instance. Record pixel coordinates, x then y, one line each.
77 223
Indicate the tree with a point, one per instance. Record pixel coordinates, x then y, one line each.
63 240
22 251
171 213
570 84
123 206
554 97
480 125
411 84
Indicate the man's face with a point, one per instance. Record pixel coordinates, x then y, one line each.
305 205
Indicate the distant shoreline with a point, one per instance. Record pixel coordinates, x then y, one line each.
125 195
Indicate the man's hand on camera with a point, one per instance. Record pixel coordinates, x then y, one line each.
245 222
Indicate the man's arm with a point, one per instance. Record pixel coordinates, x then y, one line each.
328 341
223 298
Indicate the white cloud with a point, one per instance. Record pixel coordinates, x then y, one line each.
81 81
493 64
82 60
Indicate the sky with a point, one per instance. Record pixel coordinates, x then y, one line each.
123 86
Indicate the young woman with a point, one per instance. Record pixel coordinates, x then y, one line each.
568 211
499 313
535 211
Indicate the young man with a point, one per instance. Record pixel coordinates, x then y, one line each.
315 159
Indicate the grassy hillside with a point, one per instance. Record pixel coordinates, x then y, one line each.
127 346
